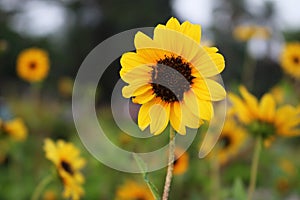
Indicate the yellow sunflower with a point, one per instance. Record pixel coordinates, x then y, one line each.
231 141
33 64
170 76
68 163
290 59
264 117
131 190
181 162
248 32
15 128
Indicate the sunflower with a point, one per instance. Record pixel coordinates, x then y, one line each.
131 190
181 162
290 59
248 32
169 76
15 128
264 117
33 64
231 141
67 161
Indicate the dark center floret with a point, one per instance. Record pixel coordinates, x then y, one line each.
225 141
296 60
32 65
67 167
171 77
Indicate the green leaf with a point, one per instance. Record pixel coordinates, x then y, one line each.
142 165
238 190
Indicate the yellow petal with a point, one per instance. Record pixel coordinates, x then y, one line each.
176 118
217 58
267 108
136 73
131 60
159 115
143 116
144 98
129 90
173 24
240 109
191 30
250 100
207 89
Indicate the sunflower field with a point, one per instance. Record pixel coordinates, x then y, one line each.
149 100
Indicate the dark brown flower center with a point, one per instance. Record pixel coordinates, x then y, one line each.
296 60
32 65
171 77
67 167
225 141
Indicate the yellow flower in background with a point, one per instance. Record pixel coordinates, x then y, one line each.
65 86
131 190
33 65
68 163
50 195
230 142
264 117
181 162
248 32
290 59
170 76
15 128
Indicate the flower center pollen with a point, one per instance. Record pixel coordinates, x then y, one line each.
67 167
171 78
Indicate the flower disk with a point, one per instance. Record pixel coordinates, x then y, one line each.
169 76
33 65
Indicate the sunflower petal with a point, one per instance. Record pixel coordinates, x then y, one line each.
267 108
159 115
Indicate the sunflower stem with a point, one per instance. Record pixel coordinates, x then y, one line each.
41 186
170 165
215 176
254 167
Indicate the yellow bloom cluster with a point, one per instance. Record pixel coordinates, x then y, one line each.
15 128
248 32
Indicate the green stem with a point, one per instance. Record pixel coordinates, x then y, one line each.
41 186
215 176
254 167
170 165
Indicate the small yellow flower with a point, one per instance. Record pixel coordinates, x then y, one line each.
170 76
248 32
65 86
230 142
131 190
68 163
33 65
16 129
264 117
287 167
50 195
290 59
181 162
